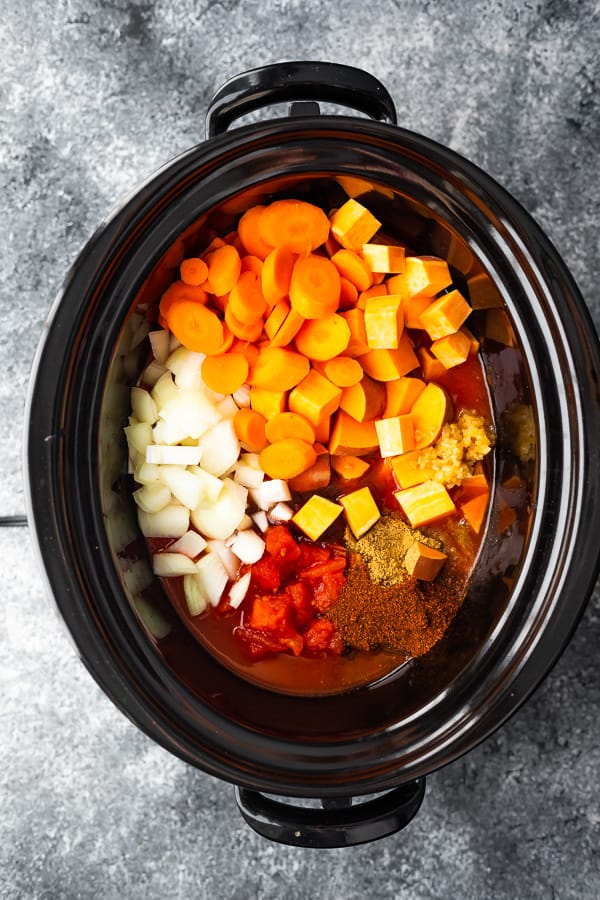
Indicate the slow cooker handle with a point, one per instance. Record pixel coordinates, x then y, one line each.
338 824
281 82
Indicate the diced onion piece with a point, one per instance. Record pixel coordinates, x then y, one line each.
281 512
139 333
242 395
152 497
191 410
143 406
171 565
239 590
248 476
195 595
139 436
270 493
191 544
152 373
164 390
160 342
154 620
221 518
147 473
185 366
227 407
220 448
245 523
248 546
260 519
227 557
169 432
251 459
213 577
211 485
185 486
163 455
173 343
172 521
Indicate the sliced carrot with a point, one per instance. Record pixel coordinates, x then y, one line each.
289 425
314 479
193 271
354 268
287 458
425 503
384 257
225 372
241 329
249 233
324 338
267 403
445 315
364 400
343 371
314 287
249 427
350 436
431 409
214 244
224 267
431 367
315 398
358 336
452 350
401 395
288 330
353 225
276 318
181 291
386 365
195 326
331 246
246 300
233 238
276 274
349 467
384 322
294 224
249 350
228 339
278 369
348 294
376 290
252 264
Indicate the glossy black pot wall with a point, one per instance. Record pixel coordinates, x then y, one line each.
533 579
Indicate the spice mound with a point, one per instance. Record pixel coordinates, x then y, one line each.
411 616
383 549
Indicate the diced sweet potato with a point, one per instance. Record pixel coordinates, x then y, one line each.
315 398
483 293
474 511
361 511
431 367
315 517
267 403
413 307
358 336
387 365
401 395
425 503
426 276
445 315
349 467
452 350
384 257
350 436
396 435
430 411
498 327
364 400
424 562
384 321
353 225
407 470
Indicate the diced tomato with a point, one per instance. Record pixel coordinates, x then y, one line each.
320 569
311 554
317 639
282 547
258 644
327 591
265 574
302 606
271 613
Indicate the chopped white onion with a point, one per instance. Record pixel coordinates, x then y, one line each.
185 366
185 486
211 485
248 546
143 406
169 433
227 557
195 595
164 390
252 460
171 521
152 373
139 436
171 565
227 407
271 492
245 523
260 519
220 448
173 456
191 544
152 497
173 343
191 410
239 590
221 518
160 342
213 577
248 476
281 512
242 395
146 473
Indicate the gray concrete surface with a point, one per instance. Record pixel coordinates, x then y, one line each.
93 97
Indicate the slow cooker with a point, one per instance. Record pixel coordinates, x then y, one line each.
532 578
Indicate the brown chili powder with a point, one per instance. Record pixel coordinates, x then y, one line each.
411 616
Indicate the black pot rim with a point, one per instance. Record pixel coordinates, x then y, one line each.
510 680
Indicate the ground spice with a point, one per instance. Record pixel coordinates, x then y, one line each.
384 547
411 616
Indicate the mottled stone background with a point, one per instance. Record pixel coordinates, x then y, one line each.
93 97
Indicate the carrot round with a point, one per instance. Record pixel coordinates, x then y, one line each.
240 329
250 235
323 339
249 427
278 369
252 264
354 268
193 271
343 371
289 425
348 293
349 467
225 373
299 226
314 287
276 274
224 267
195 326
246 300
180 291
287 459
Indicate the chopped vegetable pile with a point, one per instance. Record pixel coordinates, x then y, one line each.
297 368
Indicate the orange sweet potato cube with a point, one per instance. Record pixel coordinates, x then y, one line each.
401 395
407 470
384 257
424 562
361 511
426 276
425 503
396 435
350 436
431 367
387 365
445 315
315 517
315 398
384 321
452 350
353 225
267 403
358 336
